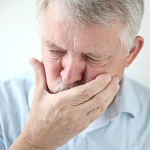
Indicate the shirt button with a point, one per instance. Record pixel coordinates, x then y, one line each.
84 135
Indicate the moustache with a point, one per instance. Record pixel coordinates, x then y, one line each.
61 86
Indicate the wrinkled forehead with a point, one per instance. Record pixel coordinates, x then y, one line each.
70 35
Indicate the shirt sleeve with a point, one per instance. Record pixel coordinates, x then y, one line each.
2 147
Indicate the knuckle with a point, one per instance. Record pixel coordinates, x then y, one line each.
76 123
92 120
36 76
102 108
71 119
81 126
86 94
113 86
103 83
99 98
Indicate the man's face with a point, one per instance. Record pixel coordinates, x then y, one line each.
74 55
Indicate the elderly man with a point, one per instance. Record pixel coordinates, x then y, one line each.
81 100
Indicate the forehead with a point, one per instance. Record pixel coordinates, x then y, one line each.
71 36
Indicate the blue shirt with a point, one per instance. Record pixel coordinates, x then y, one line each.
125 125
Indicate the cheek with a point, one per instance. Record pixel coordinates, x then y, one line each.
52 70
116 68
110 68
92 72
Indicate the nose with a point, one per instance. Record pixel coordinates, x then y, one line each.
73 69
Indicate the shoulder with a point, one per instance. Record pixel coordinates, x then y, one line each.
10 85
137 98
14 89
14 107
140 90
135 115
20 78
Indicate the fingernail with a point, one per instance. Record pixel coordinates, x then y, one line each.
108 78
116 80
30 62
117 87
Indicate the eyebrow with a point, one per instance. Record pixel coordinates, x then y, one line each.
96 55
51 44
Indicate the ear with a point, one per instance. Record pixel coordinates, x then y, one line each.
138 44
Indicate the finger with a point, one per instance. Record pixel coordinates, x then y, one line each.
82 93
100 97
98 111
40 78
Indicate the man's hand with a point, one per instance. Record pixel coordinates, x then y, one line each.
56 118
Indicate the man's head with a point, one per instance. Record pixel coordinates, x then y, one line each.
82 39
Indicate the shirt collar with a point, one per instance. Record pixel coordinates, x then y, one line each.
126 101
129 98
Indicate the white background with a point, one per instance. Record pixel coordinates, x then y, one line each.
19 40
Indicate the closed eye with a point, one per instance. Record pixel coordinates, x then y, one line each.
96 62
57 52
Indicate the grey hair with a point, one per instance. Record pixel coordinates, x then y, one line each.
129 13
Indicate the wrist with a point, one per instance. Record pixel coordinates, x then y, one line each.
25 142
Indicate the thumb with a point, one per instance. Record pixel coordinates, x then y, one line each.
40 79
